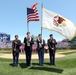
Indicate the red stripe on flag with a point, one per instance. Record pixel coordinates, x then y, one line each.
33 20
34 5
33 17
33 14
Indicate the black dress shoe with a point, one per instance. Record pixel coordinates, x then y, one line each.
50 64
54 65
41 65
26 65
14 65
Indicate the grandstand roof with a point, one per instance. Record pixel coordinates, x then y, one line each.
74 40
3 33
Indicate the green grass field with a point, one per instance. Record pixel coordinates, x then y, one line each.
67 53
64 66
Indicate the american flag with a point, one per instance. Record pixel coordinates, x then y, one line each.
32 13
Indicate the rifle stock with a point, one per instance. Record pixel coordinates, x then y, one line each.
53 46
15 50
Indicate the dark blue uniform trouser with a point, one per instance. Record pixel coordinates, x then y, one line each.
28 52
15 59
52 57
41 56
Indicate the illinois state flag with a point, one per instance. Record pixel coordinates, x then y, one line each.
58 23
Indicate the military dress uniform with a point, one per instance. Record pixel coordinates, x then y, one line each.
15 51
28 50
41 44
52 49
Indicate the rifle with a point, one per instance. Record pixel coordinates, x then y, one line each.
15 50
40 42
53 45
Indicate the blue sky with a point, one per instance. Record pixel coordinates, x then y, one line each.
13 18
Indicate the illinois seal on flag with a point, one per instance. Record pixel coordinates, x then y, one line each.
59 21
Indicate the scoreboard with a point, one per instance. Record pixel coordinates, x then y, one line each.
4 37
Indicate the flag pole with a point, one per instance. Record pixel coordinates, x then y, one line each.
41 16
27 26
